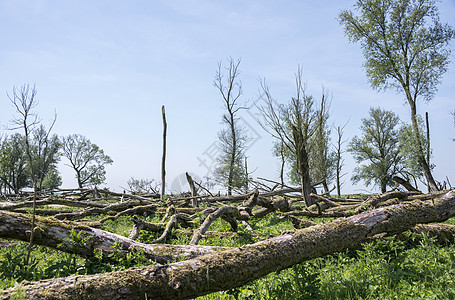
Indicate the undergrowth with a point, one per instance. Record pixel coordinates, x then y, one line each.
416 267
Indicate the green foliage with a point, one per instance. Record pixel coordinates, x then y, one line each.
406 47
87 159
116 260
14 165
377 149
414 268
14 173
403 42
44 150
310 124
47 263
408 147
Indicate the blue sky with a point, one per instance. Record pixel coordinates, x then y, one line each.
106 67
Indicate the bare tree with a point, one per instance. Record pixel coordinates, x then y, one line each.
24 99
231 140
142 186
339 161
163 159
292 125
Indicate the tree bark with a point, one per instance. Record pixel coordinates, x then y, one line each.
193 189
405 183
50 232
233 268
163 159
432 186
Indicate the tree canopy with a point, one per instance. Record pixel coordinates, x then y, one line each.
377 149
405 47
87 159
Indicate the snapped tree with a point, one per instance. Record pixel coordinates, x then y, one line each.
292 125
302 136
87 159
322 158
405 47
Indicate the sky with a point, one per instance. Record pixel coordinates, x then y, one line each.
106 67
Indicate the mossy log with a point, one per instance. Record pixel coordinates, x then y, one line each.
50 201
108 209
50 232
233 268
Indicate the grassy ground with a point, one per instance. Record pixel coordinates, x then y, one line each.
415 268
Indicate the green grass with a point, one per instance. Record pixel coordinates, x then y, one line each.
418 268
415 268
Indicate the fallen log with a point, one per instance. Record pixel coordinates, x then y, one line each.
108 209
50 232
236 267
405 183
230 214
49 201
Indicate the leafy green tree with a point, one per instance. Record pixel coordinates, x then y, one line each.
405 47
232 139
87 159
52 180
45 157
14 173
377 150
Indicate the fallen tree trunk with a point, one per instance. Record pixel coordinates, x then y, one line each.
50 232
48 201
231 213
115 207
233 268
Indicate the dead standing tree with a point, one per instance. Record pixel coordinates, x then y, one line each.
232 140
24 100
339 161
292 125
163 159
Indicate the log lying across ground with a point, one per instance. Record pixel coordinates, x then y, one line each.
50 232
236 267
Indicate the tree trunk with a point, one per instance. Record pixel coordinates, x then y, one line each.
302 162
233 268
163 159
405 183
420 156
50 232
305 177
194 201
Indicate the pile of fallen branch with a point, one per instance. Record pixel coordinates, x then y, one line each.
205 269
